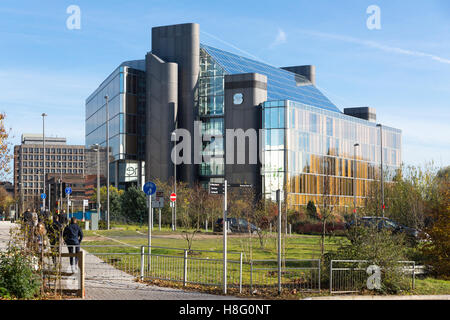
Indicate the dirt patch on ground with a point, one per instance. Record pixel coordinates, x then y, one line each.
94 238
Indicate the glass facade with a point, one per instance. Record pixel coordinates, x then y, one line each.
126 90
281 84
210 101
307 148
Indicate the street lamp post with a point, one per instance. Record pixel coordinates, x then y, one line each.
174 208
381 170
97 146
43 142
354 179
107 162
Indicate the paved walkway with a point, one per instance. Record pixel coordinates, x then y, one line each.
104 282
4 234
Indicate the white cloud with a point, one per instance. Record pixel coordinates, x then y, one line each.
280 38
376 45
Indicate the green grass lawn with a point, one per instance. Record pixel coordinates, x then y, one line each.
297 246
129 239
431 286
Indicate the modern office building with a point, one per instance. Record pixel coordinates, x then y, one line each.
308 147
125 88
60 158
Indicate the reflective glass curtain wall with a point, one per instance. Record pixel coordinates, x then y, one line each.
318 146
125 88
210 102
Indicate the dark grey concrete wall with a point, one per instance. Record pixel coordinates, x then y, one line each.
365 113
245 116
162 103
309 72
181 44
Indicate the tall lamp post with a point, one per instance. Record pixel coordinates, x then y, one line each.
43 171
381 170
97 147
354 179
174 208
107 162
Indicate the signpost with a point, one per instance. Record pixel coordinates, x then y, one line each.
225 231
158 202
43 196
216 188
149 189
222 188
68 192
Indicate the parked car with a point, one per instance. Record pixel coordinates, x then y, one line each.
387 224
237 225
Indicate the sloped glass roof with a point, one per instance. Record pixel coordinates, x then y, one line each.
281 84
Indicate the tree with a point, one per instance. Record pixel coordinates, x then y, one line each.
5 200
186 212
134 205
5 151
311 210
114 201
437 249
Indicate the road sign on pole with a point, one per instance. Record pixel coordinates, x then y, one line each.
173 197
216 188
149 188
158 200
225 231
43 196
68 190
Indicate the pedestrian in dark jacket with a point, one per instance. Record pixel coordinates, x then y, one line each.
73 237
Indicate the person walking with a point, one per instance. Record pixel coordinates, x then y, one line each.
73 235
54 235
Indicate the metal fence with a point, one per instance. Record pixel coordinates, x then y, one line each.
301 275
350 276
201 267
190 266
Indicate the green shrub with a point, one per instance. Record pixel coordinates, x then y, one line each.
380 248
17 277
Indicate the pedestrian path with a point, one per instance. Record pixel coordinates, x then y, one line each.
104 282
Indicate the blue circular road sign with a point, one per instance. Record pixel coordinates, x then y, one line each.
68 190
149 188
43 196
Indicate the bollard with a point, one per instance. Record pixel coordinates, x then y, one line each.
142 261
185 267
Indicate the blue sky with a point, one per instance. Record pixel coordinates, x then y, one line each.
402 70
